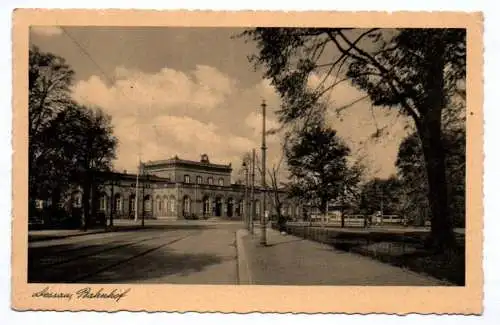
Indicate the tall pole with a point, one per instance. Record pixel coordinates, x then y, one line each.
252 192
136 203
245 205
143 201
263 238
112 201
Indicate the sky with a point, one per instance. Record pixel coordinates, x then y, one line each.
189 91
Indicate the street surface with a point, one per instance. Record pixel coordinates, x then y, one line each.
174 253
200 252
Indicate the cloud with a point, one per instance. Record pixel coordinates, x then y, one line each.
151 95
46 30
177 135
169 112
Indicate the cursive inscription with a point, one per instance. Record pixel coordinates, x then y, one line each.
84 293
46 293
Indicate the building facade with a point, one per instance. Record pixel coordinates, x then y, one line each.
179 189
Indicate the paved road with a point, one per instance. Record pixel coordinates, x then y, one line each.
187 254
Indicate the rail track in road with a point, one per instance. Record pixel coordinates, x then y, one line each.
62 260
60 271
126 260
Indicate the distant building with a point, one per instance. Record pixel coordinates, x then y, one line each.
177 189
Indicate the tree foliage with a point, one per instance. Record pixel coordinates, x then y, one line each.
416 71
411 170
317 160
380 195
66 140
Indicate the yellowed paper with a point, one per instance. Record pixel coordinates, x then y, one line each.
252 298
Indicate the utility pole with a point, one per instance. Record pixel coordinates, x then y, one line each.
112 201
136 214
263 239
143 201
252 192
245 200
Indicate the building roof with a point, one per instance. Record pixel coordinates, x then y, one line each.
111 175
176 161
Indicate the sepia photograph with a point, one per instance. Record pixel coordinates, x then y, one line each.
258 156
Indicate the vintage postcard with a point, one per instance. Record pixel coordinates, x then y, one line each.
326 162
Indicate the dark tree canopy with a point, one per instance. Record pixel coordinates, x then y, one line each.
65 139
317 160
380 195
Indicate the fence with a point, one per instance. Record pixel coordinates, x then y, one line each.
356 220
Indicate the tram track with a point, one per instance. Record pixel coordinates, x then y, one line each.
126 260
91 253
89 264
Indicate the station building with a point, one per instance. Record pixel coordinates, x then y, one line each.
175 189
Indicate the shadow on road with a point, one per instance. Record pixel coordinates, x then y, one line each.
285 242
126 264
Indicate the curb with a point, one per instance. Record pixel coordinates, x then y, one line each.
47 238
244 276
88 233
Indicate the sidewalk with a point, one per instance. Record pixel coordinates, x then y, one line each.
52 234
290 260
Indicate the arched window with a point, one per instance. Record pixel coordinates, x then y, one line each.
210 181
132 203
172 204
147 203
198 179
187 179
221 181
103 201
186 205
257 207
206 206
166 207
159 203
118 203
230 207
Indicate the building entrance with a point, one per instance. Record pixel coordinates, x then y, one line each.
218 207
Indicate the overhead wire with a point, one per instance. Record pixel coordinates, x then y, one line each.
111 81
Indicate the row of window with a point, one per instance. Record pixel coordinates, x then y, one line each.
165 202
199 180
170 203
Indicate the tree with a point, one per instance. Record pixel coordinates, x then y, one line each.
49 94
90 134
67 141
275 187
317 161
411 169
380 195
416 71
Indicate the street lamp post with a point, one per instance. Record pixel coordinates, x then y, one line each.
252 192
263 238
245 200
113 203
145 183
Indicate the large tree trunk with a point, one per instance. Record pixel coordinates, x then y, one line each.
442 236
431 136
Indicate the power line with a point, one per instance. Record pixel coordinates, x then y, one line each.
111 81
82 49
